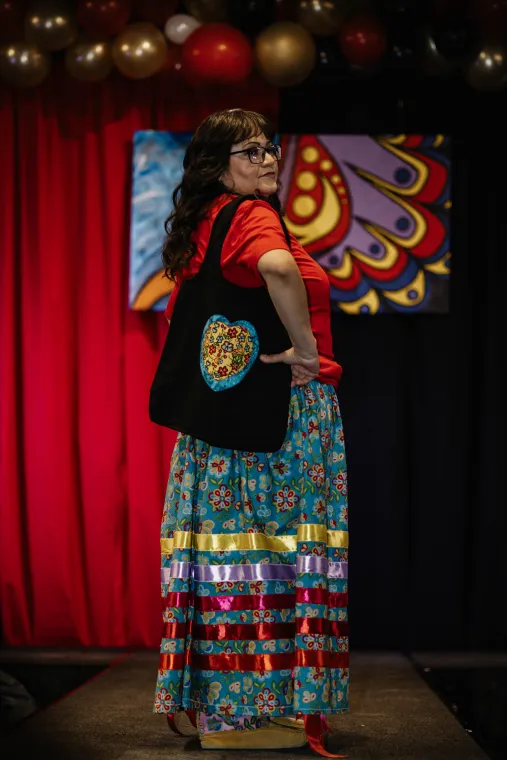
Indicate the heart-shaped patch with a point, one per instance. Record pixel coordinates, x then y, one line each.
228 350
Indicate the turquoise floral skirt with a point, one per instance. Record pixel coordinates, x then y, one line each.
254 574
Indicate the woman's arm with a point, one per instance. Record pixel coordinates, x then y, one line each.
287 290
171 302
288 293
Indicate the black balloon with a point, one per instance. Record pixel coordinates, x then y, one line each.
444 7
329 60
403 50
403 54
401 6
433 63
455 38
251 16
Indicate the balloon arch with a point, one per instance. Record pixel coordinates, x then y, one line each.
221 41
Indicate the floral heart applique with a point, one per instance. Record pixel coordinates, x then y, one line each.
228 350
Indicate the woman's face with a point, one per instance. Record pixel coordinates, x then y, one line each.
244 176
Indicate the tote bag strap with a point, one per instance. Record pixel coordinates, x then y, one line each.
221 227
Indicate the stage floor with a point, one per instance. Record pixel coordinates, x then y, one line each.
393 715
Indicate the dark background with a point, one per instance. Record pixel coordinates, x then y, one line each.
422 396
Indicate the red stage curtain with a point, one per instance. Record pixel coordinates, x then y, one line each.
82 469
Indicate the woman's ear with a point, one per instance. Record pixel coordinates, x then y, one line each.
227 181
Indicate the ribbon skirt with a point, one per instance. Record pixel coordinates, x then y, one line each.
254 572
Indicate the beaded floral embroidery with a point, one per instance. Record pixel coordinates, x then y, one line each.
228 350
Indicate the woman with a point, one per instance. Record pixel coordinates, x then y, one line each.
255 655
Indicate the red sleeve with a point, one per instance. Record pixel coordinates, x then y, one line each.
255 230
172 300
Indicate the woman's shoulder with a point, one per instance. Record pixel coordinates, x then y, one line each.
251 208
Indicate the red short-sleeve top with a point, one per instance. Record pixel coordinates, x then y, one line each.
255 230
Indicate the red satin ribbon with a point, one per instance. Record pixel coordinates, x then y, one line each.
307 659
338 628
258 631
256 601
255 662
315 727
247 602
244 632
321 596
264 662
172 722
171 661
174 630
177 599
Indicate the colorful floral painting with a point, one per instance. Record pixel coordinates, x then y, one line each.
373 211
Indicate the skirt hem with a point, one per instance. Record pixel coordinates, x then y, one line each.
253 712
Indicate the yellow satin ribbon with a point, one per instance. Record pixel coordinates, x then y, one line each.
253 541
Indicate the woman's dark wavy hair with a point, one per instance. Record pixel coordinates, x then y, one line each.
205 162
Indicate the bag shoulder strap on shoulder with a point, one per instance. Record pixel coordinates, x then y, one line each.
221 227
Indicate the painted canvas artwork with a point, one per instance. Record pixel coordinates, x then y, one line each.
373 211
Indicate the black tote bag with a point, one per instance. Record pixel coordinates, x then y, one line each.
209 382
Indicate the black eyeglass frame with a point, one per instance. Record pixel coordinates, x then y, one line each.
277 154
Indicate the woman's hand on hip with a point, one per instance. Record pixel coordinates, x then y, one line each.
305 367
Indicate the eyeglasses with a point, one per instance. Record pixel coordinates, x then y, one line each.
257 155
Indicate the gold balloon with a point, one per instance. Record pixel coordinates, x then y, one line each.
23 64
50 25
140 50
488 70
89 61
285 53
321 17
208 10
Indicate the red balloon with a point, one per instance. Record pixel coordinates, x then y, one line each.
11 20
156 11
103 18
363 41
216 53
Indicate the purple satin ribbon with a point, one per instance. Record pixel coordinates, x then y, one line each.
176 570
258 572
311 564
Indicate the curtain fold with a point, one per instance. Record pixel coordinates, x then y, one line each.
82 469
